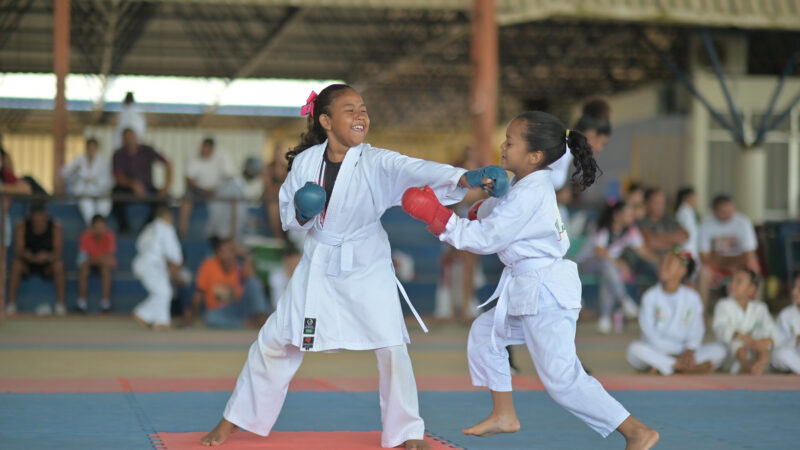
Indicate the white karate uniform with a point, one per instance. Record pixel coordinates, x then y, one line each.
786 354
687 218
539 297
343 293
130 117
156 246
559 171
90 178
672 323
729 318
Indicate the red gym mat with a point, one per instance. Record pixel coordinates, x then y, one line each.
277 440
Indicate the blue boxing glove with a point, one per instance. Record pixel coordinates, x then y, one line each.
309 201
496 173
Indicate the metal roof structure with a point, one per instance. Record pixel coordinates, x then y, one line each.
410 58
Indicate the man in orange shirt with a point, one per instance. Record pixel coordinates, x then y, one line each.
96 250
233 296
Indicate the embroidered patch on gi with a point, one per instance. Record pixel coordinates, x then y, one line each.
309 326
308 342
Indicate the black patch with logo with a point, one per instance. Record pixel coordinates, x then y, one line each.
309 326
308 342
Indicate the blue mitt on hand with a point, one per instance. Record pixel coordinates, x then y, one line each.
309 201
499 179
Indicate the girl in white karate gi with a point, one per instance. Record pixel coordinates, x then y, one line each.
90 174
539 293
343 293
158 258
671 319
744 325
786 355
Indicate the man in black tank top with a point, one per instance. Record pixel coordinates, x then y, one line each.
37 251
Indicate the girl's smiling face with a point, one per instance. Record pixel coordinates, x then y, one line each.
514 154
348 122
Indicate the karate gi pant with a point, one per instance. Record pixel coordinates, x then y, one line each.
787 358
550 338
263 383
643 356
155 309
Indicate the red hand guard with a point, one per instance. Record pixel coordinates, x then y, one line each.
473 212
422 204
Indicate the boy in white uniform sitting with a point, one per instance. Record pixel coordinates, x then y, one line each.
671 318
744 325
786 355
158 260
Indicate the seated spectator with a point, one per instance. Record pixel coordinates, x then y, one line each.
204 175
10 183
661 232
786 355
671 319
727 242
687 217
635 198
744 325
613 246
221 213
96 251
274 176
90 174
133 175
38 243
158 261
279 279
233 295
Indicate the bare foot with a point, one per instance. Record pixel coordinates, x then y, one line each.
141 321
417 444
638 436
706 367
162 327
758 367
494 424
218 435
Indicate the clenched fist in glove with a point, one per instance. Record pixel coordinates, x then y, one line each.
498 185
309 201
422 204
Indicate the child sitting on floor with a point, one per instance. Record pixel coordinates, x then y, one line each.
744 325
671 318
786 355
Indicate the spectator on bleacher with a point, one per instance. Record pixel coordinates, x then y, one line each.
274 175
786 354
687 217
10 183
158 261
221 221
671 319
660 230
744 325
90 174
610 252
133 174
129 117
96 250
635 198
204 175
727 242
279 278
38 243
233 295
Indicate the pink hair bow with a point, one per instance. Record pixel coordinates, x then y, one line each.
308 109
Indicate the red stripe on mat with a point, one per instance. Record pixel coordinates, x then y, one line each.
424 383
278 440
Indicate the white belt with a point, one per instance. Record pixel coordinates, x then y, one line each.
344 261
501 309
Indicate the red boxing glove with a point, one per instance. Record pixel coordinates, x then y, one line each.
422 204
473 212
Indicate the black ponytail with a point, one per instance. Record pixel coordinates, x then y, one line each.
545 133
316 134
586 168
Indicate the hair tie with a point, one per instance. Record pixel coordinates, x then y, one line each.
567 133
308 109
